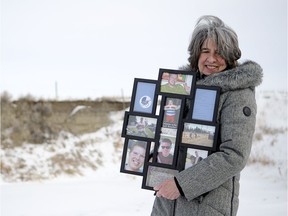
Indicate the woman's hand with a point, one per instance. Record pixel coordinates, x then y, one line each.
167 189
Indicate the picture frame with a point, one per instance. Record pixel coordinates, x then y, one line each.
205 103
189 157
135 154
140 126
201 135
175 119
144 97
154 175
176 82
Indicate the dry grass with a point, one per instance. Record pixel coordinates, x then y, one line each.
40 121
264 138
62 162
261 159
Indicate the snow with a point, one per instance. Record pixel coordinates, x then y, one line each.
104 191
77 108
101 194
110 193
262 193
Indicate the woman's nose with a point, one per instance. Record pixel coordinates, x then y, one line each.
211 58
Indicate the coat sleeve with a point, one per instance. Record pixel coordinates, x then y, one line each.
237 126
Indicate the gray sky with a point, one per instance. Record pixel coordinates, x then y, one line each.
94 48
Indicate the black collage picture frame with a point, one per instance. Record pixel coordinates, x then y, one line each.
163 136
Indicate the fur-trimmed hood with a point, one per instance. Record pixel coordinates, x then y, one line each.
246 75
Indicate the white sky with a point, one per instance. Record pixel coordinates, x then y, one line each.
94 48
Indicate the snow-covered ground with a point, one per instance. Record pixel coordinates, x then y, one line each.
105 191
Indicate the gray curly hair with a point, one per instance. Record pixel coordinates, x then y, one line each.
211 27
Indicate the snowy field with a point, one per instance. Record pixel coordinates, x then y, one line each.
107 192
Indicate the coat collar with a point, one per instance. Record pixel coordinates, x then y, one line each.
246 75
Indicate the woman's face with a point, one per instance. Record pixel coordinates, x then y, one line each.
210 61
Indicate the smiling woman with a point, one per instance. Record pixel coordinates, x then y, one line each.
204 189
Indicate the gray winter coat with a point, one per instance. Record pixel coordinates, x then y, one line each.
211 187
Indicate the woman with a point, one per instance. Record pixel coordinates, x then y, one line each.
211 187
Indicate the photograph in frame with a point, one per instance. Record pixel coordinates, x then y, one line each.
169 131
176 82
205 104
166 149
193 156
171 112
140 126
144 97
155 175
199 134
134 156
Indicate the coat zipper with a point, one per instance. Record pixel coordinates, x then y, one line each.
232 198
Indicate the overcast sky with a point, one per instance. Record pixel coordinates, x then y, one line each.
94 48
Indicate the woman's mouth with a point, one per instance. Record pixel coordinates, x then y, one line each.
212 67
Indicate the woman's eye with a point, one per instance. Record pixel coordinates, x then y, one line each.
204 51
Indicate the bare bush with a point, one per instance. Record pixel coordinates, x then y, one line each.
6 97
27 98
28 121
258 136
261 159
271 131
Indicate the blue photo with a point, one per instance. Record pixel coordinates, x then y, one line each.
144 98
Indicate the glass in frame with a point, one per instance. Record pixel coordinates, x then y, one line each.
176 82
205 104
166 153
134 156
188 157
193 156
200 135
139 126
144 97
171 112
155 175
